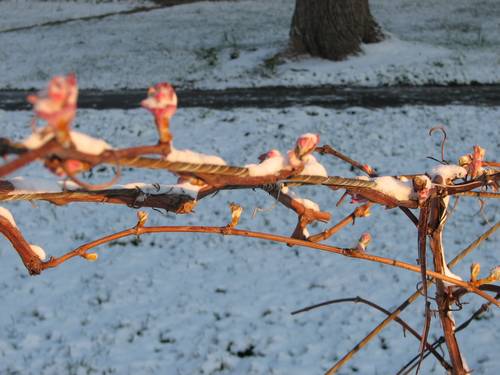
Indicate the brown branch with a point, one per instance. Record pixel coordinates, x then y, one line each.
326 149
398 320
437 222
32 263
443 140
178 203
265 236
360 211
441 340
479 194
375 331
296 206
423 226
28 157
481 181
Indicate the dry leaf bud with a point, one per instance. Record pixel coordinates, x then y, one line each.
91 257
495 274
142 217
465 160
306 144
419 183
368 169
475 268
236 211
363 241
362 211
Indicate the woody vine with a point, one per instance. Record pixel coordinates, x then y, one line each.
424 198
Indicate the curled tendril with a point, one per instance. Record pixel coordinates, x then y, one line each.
91 187
443 140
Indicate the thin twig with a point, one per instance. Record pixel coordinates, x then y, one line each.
479 194
358 212
375 331
443 141
411 364
400 321
326 149
494 164
54 262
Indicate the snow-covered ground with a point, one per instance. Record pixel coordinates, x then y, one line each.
224 44
204 304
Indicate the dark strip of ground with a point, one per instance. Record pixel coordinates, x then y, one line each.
280 97
140 9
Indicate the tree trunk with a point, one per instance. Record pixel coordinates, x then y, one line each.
332 29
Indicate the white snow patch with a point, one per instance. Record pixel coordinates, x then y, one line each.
90 145
268 167
8 215
24 185
37 139
312 167
402 191
448 273
82 142
188 156
308 204
40 253
448 172
363 178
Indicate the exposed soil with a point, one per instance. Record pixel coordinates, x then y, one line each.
279 97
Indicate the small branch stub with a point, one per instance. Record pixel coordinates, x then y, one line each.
91 257
236 211
142 218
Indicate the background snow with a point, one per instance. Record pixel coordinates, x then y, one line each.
187 304
429 42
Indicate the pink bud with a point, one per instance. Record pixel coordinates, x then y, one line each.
293 160
369 170
306 144
57 105
74 166
161 101
270 154
356 198
477 161
363 242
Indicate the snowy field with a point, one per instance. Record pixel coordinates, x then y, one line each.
204 304
429 42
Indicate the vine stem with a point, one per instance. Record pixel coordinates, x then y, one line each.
375 331
405 325
137 231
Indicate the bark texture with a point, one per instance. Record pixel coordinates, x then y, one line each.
332 29
437 223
